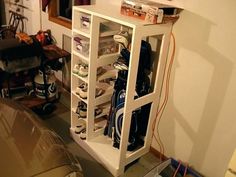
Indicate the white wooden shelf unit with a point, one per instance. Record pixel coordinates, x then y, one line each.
96 144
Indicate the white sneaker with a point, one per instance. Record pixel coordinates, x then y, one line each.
83 70
81 109
75 69
81 126
82 91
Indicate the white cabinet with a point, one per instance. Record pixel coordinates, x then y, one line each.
91 31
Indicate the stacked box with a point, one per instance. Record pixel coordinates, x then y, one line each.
146 10
106 45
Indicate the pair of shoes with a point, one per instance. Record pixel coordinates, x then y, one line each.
122 38
81 69
82 90
81 129
82 134
82 110
81 126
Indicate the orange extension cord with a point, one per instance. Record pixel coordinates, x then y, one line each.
162 108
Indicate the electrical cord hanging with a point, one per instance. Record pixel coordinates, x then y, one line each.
177 169
162 108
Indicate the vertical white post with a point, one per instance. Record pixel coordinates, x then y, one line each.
72 59
158 85
130 93
93 55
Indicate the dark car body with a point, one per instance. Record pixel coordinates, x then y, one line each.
28 148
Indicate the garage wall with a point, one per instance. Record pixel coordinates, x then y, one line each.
57 30
198 125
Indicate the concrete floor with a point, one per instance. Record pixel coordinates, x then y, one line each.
59 121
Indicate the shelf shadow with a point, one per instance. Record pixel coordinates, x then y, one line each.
193 32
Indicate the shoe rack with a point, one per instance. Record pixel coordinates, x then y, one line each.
94 24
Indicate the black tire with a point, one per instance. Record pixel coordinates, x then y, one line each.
48 108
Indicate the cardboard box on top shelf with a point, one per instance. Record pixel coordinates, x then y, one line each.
151 12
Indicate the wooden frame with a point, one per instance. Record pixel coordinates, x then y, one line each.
53 15
96 144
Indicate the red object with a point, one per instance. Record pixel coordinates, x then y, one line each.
45 4
41 37
86 2
82 2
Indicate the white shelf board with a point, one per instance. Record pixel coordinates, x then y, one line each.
105 112
109 33
85 79
105 97
109 29
74 110
84 100
107 73
102 150
112 13
82 57
82 32
107 59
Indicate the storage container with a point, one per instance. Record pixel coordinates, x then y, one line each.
85 21
106 45
81 45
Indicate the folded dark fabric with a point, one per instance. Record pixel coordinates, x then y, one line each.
45 4
11 49
82 2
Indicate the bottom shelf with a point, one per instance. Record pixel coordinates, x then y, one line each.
102 150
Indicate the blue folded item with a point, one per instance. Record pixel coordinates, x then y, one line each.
182 168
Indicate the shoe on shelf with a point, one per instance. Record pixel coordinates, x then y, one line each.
75 69
80 69
97 111
82 91
83 70
81 126
82 134
82 110
99 92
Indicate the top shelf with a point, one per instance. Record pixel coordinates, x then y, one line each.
112 13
